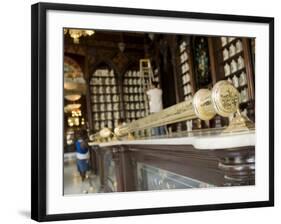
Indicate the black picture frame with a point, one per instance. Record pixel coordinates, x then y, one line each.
39 108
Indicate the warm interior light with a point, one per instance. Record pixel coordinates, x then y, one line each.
76 121
73 97
77 33
70 107
89 32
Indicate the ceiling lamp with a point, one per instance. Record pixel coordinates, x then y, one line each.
77 84
73 97
70 107
89 32
77 33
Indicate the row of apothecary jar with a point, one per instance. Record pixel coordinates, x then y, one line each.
182 46
136 106
183 57
133 90
103 81
234 66
105 107
187 89
101 89
106 116
135 98
104 98
138 81
184 68
185 78
104 73
226 40
233 50
135 114
132 74
240 80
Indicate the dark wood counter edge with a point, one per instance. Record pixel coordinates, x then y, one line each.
221 167
167 147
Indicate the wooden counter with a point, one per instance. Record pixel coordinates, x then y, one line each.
199 160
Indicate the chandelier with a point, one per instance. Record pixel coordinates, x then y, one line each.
71 83
77 33
72 97
71 107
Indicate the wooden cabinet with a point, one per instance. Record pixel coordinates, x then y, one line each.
182 64
105 99
186 70
139 167
135 99
203 61
235 60
115 98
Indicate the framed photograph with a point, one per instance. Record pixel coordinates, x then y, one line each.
140 111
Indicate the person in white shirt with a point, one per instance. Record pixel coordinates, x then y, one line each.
155 105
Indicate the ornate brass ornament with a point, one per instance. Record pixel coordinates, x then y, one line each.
202 104
105 132
239 123
222 100
225 98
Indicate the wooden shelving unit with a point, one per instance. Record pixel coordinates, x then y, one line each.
236 65
134 96
186 70
108 104
105 99
186 74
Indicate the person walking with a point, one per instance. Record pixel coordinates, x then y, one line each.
82 153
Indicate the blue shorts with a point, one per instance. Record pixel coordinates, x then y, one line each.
82 165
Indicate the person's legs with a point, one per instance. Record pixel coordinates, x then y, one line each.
162 130
157 131
78 166
83 166
83 176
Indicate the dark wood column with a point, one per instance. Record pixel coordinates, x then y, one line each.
249 70
88 94
173 49
124 169
94 159
213 61
219 167
116 151
238 165
100 167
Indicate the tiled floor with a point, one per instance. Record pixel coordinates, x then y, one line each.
73 183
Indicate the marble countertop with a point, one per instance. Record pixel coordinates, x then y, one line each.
199 140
